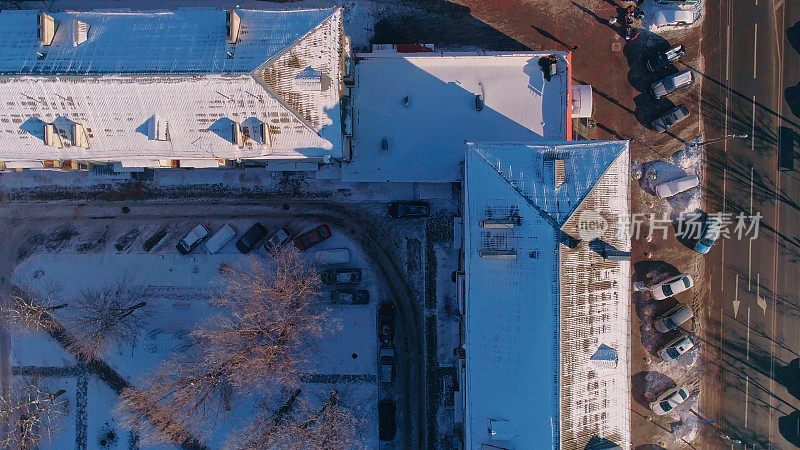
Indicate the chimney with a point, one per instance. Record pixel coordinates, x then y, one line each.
51 136
265 137
238 137
80 32
79 138
46 28
232 25
560 175
158 129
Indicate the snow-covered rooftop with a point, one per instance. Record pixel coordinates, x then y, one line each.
190 40
424 105
534 322
172 70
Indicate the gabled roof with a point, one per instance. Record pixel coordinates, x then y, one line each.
530 170
180 41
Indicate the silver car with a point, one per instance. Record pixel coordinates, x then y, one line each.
667 401
672 83
670 118
673 318
671 286
676 348
676 186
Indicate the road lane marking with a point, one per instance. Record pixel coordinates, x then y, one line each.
728 54
755 52
753 127
746 397
748 334
751 190
736 297
749 264
762 303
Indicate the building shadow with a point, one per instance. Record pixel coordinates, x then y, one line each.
789 427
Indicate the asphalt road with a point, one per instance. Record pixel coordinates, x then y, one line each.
752 381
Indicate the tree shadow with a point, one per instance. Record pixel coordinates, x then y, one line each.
687 227
789 427
793 36
646 386
792 96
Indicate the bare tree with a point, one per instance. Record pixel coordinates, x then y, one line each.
31 414
107 314
267 315
22 309
299 424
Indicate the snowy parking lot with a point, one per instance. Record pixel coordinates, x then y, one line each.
59 266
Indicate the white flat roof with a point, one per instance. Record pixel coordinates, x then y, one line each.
426 136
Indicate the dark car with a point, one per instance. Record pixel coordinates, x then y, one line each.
341 276
387 420
670 118
250 238
350 296
312 237
663 59
409 210
386 323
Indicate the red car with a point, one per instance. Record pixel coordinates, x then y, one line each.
312 237
386 324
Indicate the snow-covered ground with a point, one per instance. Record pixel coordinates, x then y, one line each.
688 161
177 288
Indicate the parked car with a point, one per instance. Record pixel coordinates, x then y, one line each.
667 401
332 256
662 59
409 210
708 235
673 318
676 347
312 237
341 276
670 118
386 323
250 238
278 237
220 238
682 2
387 422
188 243
672 83
386 356
674 17
672 286
350 296
676 186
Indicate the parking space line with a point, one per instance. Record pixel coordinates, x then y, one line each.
755 44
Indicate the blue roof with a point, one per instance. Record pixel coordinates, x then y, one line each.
512 305
180 41
529 169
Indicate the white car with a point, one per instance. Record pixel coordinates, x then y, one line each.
673 318
278 238
674 187
674 17
672 83
667 401
187 244
671 286
676 348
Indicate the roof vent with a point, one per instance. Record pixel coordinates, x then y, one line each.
51 136
79 138
158 129
498 223
560 174
46 28
238 137
308 79
80 32
498 254
232 25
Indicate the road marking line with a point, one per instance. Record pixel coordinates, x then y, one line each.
755 52
751 190
746 397
748 334
722 274
749 264
753 127
728 54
